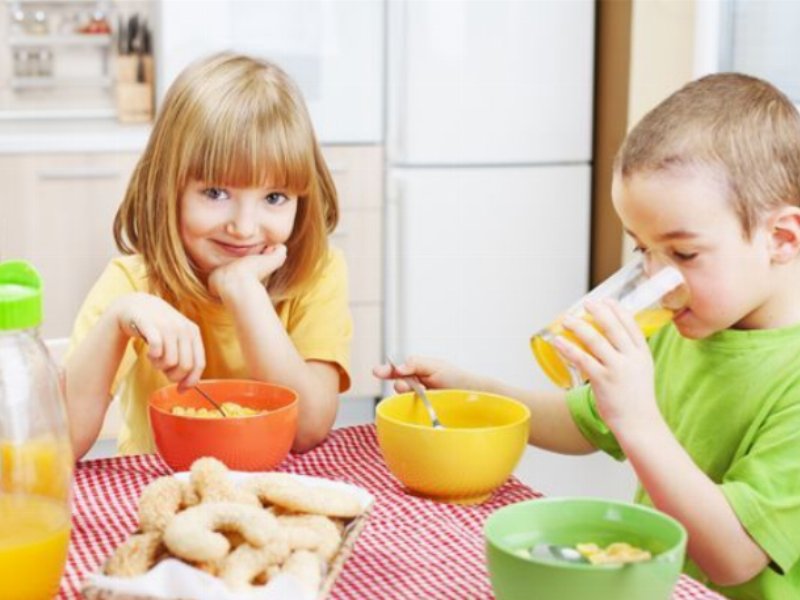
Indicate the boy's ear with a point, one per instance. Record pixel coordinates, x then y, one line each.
784 235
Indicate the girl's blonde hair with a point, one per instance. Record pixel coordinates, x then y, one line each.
742 127
227 120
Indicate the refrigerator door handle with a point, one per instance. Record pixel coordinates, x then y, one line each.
397 79
394 284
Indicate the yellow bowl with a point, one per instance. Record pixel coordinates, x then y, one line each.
483 438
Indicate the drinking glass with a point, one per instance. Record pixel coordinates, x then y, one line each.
653 297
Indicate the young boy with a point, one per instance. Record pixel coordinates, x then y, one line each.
709 412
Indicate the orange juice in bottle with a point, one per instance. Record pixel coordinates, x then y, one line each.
653 300
36 461
34 535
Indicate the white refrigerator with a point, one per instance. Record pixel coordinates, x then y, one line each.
489 145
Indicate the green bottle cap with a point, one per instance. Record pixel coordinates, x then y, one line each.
20 295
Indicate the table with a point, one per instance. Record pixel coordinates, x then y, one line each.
410 548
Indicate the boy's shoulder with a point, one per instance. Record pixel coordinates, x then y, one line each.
752 359
728 340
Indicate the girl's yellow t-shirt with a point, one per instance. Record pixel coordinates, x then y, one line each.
318 322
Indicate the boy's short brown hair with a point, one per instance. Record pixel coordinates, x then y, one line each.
741 125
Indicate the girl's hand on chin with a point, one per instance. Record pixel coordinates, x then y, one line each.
257 267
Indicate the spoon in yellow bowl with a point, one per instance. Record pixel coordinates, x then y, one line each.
419 391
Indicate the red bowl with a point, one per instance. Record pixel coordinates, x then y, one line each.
253 443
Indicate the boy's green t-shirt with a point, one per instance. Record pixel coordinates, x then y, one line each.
733 402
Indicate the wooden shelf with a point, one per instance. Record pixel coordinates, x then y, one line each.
20 83
53 2
77 39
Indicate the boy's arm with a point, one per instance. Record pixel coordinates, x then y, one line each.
718 542
620 368
552 426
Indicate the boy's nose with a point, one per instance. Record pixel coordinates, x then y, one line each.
654 262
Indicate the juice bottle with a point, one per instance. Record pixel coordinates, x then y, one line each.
36 461
653 300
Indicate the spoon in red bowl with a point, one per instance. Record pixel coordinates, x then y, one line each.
196 388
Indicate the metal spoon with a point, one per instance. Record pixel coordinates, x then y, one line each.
205 395
415 385
559 552
138 332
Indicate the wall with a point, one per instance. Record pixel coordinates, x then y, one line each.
646 48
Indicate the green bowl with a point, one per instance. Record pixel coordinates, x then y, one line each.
570 521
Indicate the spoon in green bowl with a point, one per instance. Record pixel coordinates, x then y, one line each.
559 552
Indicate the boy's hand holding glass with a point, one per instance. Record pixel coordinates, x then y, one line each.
612 352
651 298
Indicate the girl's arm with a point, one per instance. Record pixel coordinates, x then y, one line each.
174 346
551 427
620 368
271 356
89 374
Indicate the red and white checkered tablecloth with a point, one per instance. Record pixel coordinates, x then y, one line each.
411 548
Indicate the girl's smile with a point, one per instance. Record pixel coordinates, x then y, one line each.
238 250
219 225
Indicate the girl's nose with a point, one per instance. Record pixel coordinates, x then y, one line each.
242 224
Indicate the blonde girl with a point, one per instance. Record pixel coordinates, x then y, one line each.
227 271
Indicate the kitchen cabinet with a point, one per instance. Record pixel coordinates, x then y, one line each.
57 213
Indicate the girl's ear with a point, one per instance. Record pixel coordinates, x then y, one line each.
784 234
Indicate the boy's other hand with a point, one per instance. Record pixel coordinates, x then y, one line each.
618 363
432 373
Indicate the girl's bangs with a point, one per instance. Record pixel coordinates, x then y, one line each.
235 156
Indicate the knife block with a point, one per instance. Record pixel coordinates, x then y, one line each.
134 88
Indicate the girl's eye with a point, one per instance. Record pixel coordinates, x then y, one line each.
276 198
216 193
640 249
684 256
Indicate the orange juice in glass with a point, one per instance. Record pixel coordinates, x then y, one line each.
36 461
653 299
